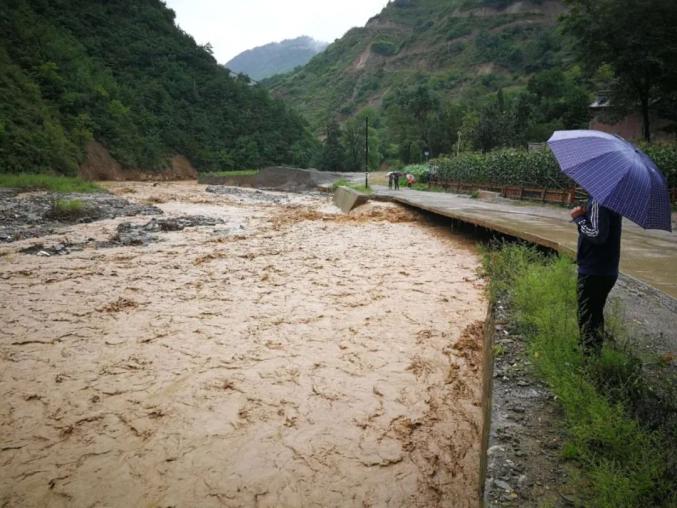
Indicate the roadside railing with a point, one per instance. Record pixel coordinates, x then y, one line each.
545 195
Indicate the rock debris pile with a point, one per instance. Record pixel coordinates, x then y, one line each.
143 234
31 215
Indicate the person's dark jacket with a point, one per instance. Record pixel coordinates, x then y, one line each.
599 241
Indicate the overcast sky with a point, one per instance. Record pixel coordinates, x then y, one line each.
232 26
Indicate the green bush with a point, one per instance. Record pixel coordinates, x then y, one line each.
68 209
420 171
384 47
665 157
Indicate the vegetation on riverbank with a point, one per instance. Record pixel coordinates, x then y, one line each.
620 444
122 73
34 182
68 209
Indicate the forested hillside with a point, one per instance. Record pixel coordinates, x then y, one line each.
276 57
120 72
464 48
492 72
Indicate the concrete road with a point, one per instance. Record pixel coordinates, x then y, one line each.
649 256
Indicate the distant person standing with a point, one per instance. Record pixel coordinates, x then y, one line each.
599 252
411 180
396 180
389 174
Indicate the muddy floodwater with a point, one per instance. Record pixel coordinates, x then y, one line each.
289 355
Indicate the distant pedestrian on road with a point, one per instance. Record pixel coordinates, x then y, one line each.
410 180
599 252
396 180
389 174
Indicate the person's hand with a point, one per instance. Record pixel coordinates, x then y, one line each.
577 212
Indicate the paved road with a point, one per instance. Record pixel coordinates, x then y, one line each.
649 256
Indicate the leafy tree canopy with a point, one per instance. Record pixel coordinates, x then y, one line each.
636 39
122 73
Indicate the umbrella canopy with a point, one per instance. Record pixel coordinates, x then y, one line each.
617 174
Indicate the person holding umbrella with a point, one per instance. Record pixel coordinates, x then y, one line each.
622 181
598 257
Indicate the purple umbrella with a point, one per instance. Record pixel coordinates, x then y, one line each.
617 174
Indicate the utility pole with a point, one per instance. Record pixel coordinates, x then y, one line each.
366 153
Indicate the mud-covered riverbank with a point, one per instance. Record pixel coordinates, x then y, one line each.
282 355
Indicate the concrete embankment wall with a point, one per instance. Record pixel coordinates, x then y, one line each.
347 199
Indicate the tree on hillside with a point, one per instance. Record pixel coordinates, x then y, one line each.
410 113
636 39
494 125
553 100
446 123
332 156
354 141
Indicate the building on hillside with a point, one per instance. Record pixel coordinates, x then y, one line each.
630 126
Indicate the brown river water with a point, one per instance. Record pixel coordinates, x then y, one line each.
292 356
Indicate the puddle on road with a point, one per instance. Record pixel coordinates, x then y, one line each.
307 358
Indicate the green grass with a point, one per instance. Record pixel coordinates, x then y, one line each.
30 182
352 185
622 462
241 172
68 208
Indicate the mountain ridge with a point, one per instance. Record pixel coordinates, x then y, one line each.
274 58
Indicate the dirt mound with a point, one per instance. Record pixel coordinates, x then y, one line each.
99 165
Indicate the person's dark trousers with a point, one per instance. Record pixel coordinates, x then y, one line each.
593 291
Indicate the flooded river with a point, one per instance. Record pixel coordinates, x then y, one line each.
288 356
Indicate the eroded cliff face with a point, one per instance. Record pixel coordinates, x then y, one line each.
99 165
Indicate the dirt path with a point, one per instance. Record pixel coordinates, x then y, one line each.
290 356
